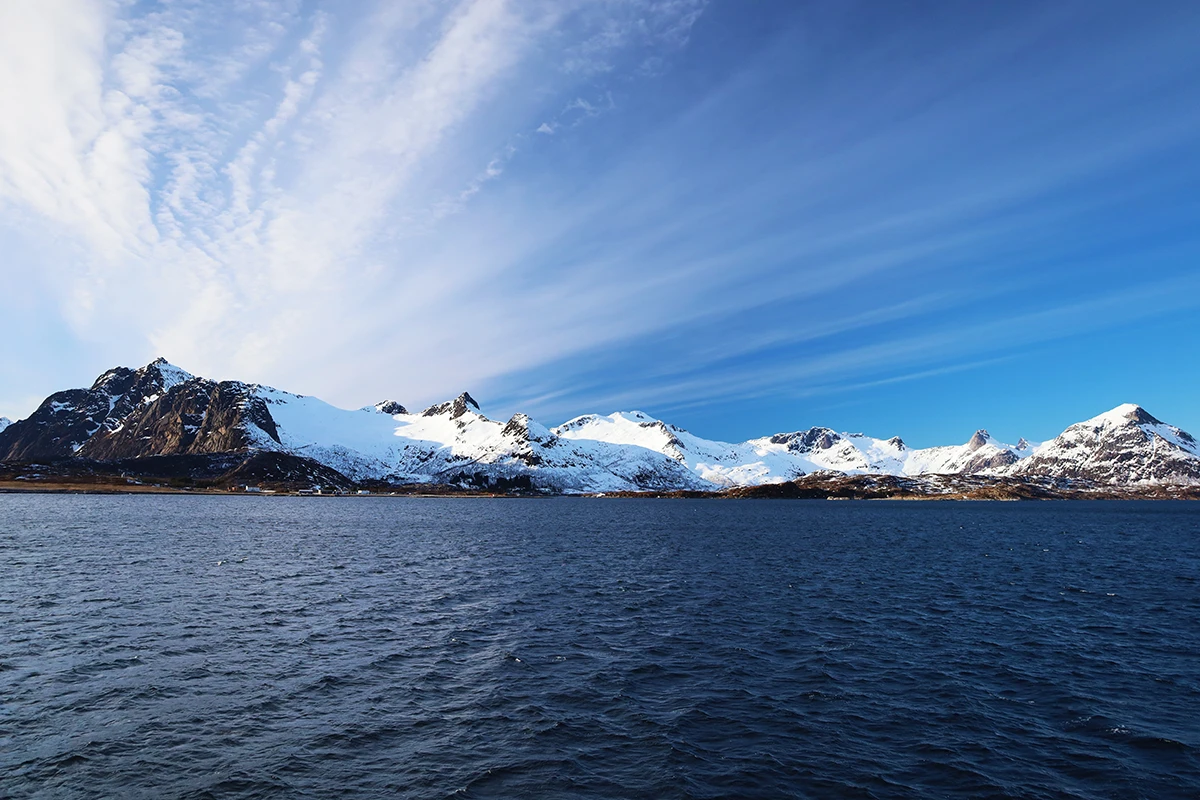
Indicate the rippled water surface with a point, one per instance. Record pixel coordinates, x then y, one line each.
385 647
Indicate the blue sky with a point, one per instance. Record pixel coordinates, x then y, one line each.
913 218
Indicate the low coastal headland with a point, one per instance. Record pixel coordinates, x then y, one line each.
274 476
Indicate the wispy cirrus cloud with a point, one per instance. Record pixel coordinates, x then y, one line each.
509 195
237 189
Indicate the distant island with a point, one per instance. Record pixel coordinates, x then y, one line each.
159 428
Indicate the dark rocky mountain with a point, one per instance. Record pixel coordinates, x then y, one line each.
157 410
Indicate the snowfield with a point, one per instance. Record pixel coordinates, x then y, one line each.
786 456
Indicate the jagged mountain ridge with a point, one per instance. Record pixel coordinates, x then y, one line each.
786 456
161 410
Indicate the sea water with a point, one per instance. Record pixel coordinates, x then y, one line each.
237 647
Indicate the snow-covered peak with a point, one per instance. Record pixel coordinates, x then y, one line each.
1123 414
1131 417
625 428
171 375
1126 445
4 422
525 429
459 406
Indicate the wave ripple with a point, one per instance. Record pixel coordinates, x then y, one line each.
209 647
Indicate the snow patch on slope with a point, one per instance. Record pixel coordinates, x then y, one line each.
172 375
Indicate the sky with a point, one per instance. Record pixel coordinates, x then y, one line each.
903 218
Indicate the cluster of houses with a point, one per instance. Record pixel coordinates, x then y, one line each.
310 492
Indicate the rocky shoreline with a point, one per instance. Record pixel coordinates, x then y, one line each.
289 475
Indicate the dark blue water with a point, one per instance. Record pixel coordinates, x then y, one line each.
198 647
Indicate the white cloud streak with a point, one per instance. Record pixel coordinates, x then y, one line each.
238 197
348 198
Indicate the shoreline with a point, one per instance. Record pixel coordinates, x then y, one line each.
766 492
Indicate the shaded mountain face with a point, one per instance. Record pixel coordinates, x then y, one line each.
1120 447
153 411
160 411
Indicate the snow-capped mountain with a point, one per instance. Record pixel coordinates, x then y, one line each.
4 422
162 410
981 454
454 442
1119 447
786 456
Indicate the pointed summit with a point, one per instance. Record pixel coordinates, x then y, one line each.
1123 446
455 408
1126 412
978 440
171 374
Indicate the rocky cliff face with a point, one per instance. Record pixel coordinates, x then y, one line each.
157 410
197 417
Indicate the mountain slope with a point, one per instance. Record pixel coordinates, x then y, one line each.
453 442
1119 447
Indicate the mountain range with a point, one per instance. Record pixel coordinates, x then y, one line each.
162 414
